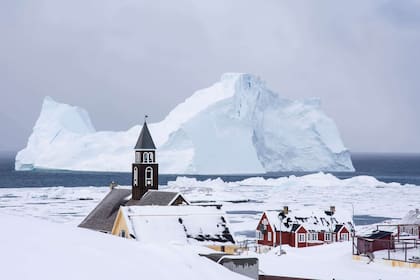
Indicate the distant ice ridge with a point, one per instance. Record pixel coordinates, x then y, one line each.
236 126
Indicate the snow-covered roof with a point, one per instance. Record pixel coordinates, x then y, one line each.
412 217
157 197
376 234
103 216
310 219
181 224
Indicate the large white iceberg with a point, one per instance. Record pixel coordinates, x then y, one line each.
236 126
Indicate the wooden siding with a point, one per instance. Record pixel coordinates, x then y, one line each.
229 249
119 225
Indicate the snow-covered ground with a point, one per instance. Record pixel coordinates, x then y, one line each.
236 126
332 261
35 249
365 195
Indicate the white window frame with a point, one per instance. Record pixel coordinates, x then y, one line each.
136 176
301 237
148 180
315 236
138 157
269 237
344 236
259 235
145 157
148 157
328 236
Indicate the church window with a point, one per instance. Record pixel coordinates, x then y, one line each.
145 157
136 176
149 176
138 157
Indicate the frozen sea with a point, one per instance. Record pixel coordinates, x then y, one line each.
400 168
384 187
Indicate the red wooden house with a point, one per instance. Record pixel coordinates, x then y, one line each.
302 229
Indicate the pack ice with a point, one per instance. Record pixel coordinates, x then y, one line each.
236 126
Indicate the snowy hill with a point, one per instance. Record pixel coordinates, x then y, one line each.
236 126
37 249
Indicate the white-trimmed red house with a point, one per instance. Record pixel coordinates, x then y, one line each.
302 228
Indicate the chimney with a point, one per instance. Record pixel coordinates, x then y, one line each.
286 210
332 209
112 185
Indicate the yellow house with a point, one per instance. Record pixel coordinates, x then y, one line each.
196 225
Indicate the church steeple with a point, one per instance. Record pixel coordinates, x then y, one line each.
145 141
145 168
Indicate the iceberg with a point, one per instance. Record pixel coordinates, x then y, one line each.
236 126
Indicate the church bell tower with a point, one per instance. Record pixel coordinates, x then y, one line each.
145 168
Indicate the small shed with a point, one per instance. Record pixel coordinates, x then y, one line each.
376 241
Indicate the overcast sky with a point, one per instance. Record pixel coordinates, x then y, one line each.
119 59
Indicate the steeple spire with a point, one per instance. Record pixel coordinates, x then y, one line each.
145 141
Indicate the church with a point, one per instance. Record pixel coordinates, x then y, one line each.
147 214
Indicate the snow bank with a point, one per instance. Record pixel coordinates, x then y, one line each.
317 180
235 126
35 249
332 261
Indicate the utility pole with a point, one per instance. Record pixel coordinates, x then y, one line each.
282 215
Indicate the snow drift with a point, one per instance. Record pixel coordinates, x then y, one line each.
37 249
236 126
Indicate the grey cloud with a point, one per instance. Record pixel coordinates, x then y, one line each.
120 59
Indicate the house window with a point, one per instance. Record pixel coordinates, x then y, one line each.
269 236
315 236
122 233
327 236
301 237
344 237
149 176
259 235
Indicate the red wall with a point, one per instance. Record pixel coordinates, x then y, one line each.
285 237
265 241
